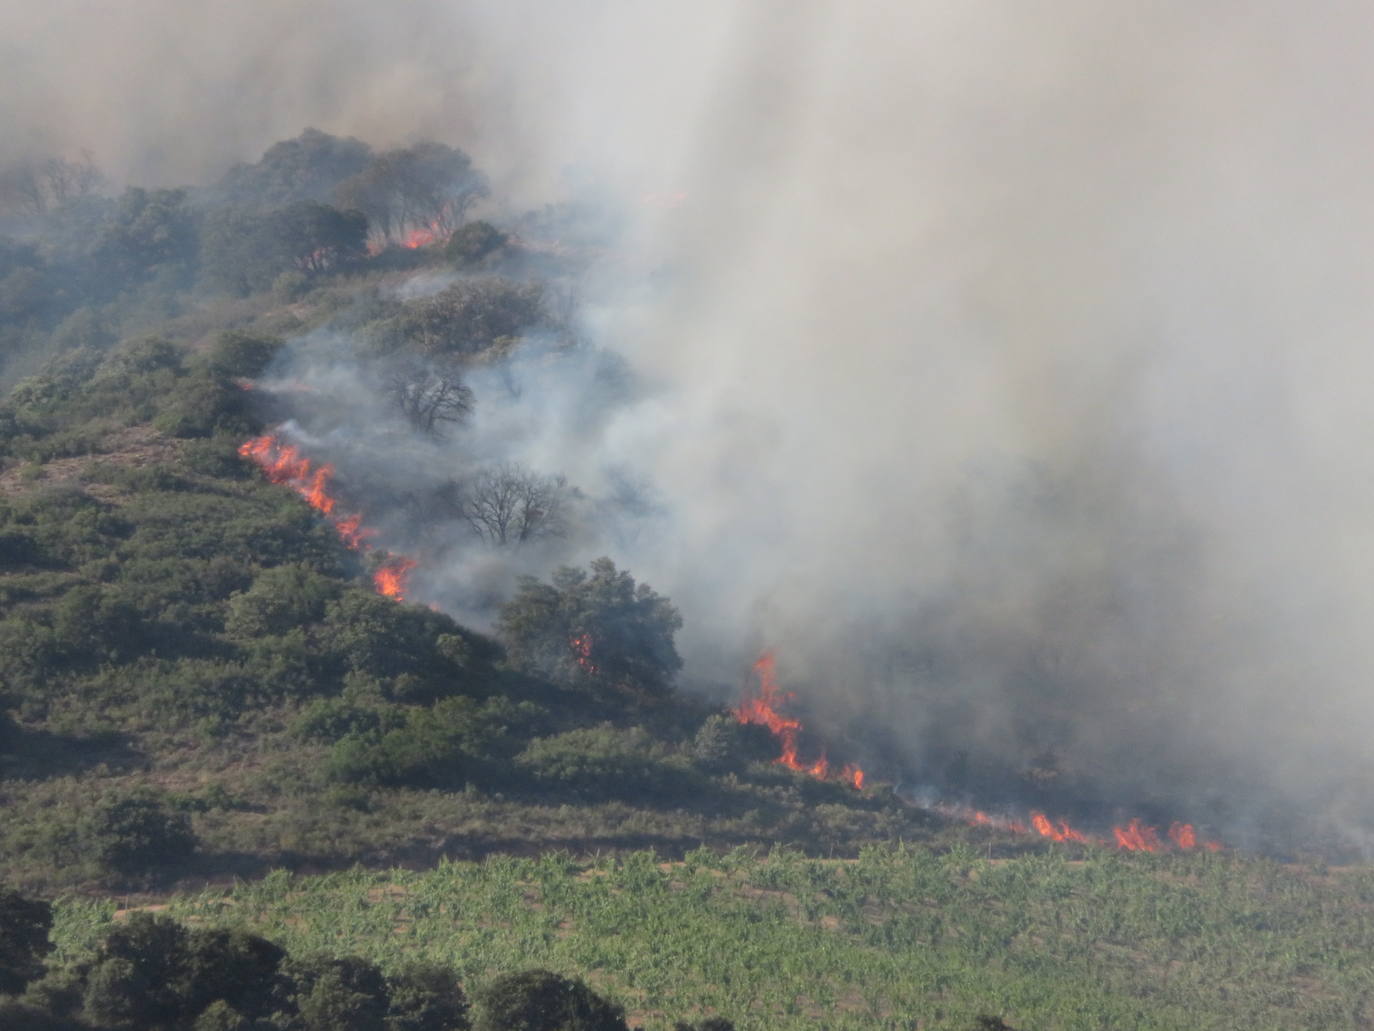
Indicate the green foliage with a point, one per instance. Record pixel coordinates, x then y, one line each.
464 319
24 927
539 1000
427 186
598 626
244 251
456 741
598 760
330 994
151 229
139 978
307 168
281 598
239 354
426 997
135 832
473 242
776 941
723 743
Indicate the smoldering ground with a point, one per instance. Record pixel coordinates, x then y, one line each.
1011 377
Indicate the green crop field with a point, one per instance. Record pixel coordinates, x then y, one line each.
902 937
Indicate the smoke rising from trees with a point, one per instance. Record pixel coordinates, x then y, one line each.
1007 369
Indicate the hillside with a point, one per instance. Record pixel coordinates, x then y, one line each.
201 676
307 643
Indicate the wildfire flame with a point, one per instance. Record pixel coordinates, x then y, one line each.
1133 836
763 710
284 464
581 646
391 576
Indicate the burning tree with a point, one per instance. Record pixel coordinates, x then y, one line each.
416 194
600 626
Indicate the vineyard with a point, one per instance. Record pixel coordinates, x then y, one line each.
902 937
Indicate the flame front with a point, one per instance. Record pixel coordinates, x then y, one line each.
763 710
284 464
1133 836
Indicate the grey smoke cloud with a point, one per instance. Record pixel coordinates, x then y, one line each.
1009 371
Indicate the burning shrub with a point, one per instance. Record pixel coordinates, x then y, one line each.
600 627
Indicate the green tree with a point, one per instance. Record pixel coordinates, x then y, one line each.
281 599
539 1000
346 994
426 997
599 626
426 186
316 238
139 978
465 319
24 927
150 228
239 354
132 833
308 167
472 242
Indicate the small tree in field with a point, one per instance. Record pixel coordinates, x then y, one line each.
598 625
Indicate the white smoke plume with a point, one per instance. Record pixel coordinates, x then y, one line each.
1005 365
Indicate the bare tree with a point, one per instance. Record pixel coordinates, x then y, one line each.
33 187
429 394
511 505
70 180
21 190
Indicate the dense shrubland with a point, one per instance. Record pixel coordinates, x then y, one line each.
196 675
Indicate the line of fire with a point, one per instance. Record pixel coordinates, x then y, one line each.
285 464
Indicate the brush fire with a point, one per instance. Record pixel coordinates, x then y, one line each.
765 708
284 464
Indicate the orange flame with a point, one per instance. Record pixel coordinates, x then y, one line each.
1133 836
284 464
1136 837
1048 829
422 237
582 654
763 710
391 576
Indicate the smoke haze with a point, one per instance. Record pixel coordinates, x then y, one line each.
1005 367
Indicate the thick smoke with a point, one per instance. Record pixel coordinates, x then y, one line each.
1005 366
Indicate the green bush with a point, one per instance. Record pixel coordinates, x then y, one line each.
597 760
128 834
